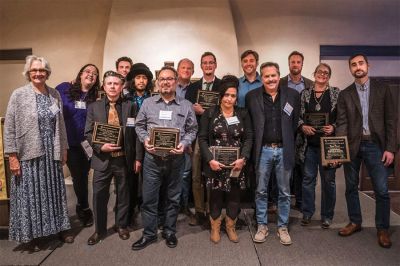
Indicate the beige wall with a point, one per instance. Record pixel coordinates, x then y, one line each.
156 31
68 34
74 32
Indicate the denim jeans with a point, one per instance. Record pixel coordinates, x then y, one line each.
372 155
155 172
272 159
312 163
186 181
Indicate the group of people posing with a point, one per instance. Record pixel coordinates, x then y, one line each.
260 114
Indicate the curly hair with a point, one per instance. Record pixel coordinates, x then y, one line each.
75 90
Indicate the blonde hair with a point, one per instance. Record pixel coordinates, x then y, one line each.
28 62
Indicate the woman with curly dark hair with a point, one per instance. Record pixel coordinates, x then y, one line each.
76 96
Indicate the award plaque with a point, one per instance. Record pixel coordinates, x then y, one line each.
164 138
105 133
334 149
225 155
207 98
316 120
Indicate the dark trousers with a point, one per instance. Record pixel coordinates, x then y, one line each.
232 199
101 194
133 182
297 183
155 172
79 167
371 154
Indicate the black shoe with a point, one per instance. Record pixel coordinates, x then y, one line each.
197 219
79 211
87 219
305 221
94 239
325 223
143 242
170 240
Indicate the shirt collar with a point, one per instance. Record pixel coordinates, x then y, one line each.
158 98
290 80
362 87
244 79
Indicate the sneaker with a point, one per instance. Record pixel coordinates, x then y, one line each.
262 233
305 221
325 223
284 236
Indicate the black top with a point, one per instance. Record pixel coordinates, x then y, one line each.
273 118
326 106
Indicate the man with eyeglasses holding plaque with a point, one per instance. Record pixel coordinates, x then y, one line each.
163 165
209 82
109 159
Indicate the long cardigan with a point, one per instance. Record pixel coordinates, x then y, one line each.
21 127
301 140
206 138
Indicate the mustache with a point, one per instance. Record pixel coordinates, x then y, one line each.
272 82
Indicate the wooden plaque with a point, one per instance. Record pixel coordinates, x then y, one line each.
225 155
106 133
334 149
207 98
316 120
164 138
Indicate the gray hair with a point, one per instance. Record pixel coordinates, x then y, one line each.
28 62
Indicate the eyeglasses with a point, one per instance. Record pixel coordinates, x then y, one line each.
323 73
40 70
111 73
88 72
169 79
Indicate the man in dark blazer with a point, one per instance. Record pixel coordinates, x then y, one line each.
109 159
211 83
365 114
297 82
274 110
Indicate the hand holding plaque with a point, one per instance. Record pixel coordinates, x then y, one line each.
164 138
207 98
316 120
225 155
106 133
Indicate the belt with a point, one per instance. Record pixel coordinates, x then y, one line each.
273 145
115 154
366 138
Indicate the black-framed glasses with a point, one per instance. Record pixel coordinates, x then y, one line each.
169 79
111 73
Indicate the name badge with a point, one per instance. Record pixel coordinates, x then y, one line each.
80 105
232 120
288 109
165 115
87 148
130 122
54 109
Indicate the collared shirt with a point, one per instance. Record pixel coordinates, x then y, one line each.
299 87
205 84
363 91
245 86
182 117
139 99
181 90
273 119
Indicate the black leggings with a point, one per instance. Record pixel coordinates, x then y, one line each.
232 202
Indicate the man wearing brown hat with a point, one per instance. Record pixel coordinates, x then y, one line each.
140 78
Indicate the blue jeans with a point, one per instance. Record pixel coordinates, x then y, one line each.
186 181
328 187
155 172
372 155
272 158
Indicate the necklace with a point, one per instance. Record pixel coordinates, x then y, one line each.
318 105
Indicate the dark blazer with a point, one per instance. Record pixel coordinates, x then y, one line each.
255 105
206 136
97 112
308 83
381 117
